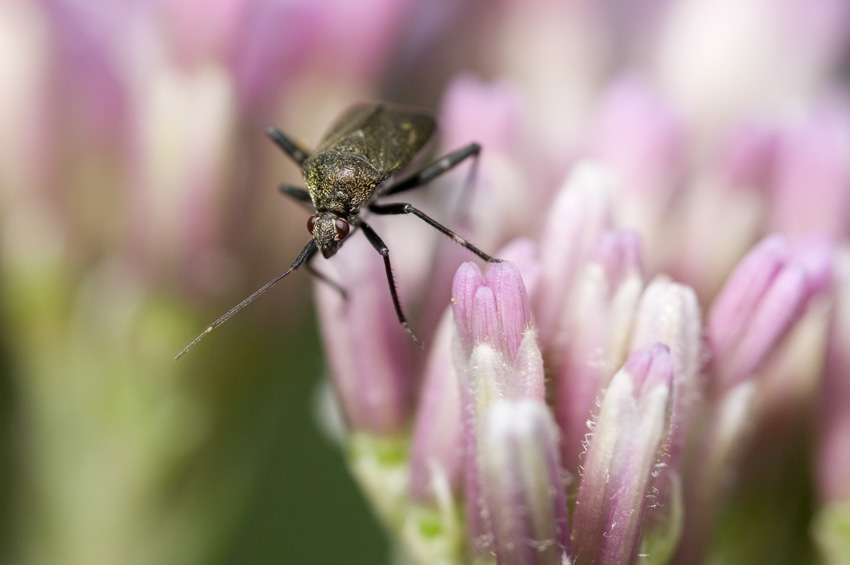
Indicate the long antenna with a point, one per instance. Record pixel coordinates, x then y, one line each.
306 255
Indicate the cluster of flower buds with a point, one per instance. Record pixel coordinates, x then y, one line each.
590 415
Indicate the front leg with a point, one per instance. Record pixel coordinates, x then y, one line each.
287 145
298 194
381 248
401 208
327 280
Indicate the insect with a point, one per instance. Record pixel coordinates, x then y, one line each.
362 158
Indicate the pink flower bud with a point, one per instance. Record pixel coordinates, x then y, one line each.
372 365
812 174
497 359
596 324
621 459
437 450
522 484
580 212
762 299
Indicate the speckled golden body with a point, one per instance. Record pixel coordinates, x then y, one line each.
359 156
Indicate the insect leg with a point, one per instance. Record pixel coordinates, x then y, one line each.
287 145
381 248
327 280
436 169
298 194
401 208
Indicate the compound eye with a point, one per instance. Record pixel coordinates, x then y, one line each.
342 228
311 223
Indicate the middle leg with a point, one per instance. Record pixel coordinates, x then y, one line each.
436 169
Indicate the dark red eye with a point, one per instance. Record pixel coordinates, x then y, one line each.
342 228
311 223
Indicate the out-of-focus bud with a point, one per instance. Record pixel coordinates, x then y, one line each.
580 213
643 141
762 299
812 174
596 323
437 451
368 352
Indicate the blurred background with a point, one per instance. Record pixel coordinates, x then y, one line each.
138 202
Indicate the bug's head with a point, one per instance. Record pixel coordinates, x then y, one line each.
329 230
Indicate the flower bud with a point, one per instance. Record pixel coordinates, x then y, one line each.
621 459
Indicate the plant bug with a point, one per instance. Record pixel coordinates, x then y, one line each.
357 162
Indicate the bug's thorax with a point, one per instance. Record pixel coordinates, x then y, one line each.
339 181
